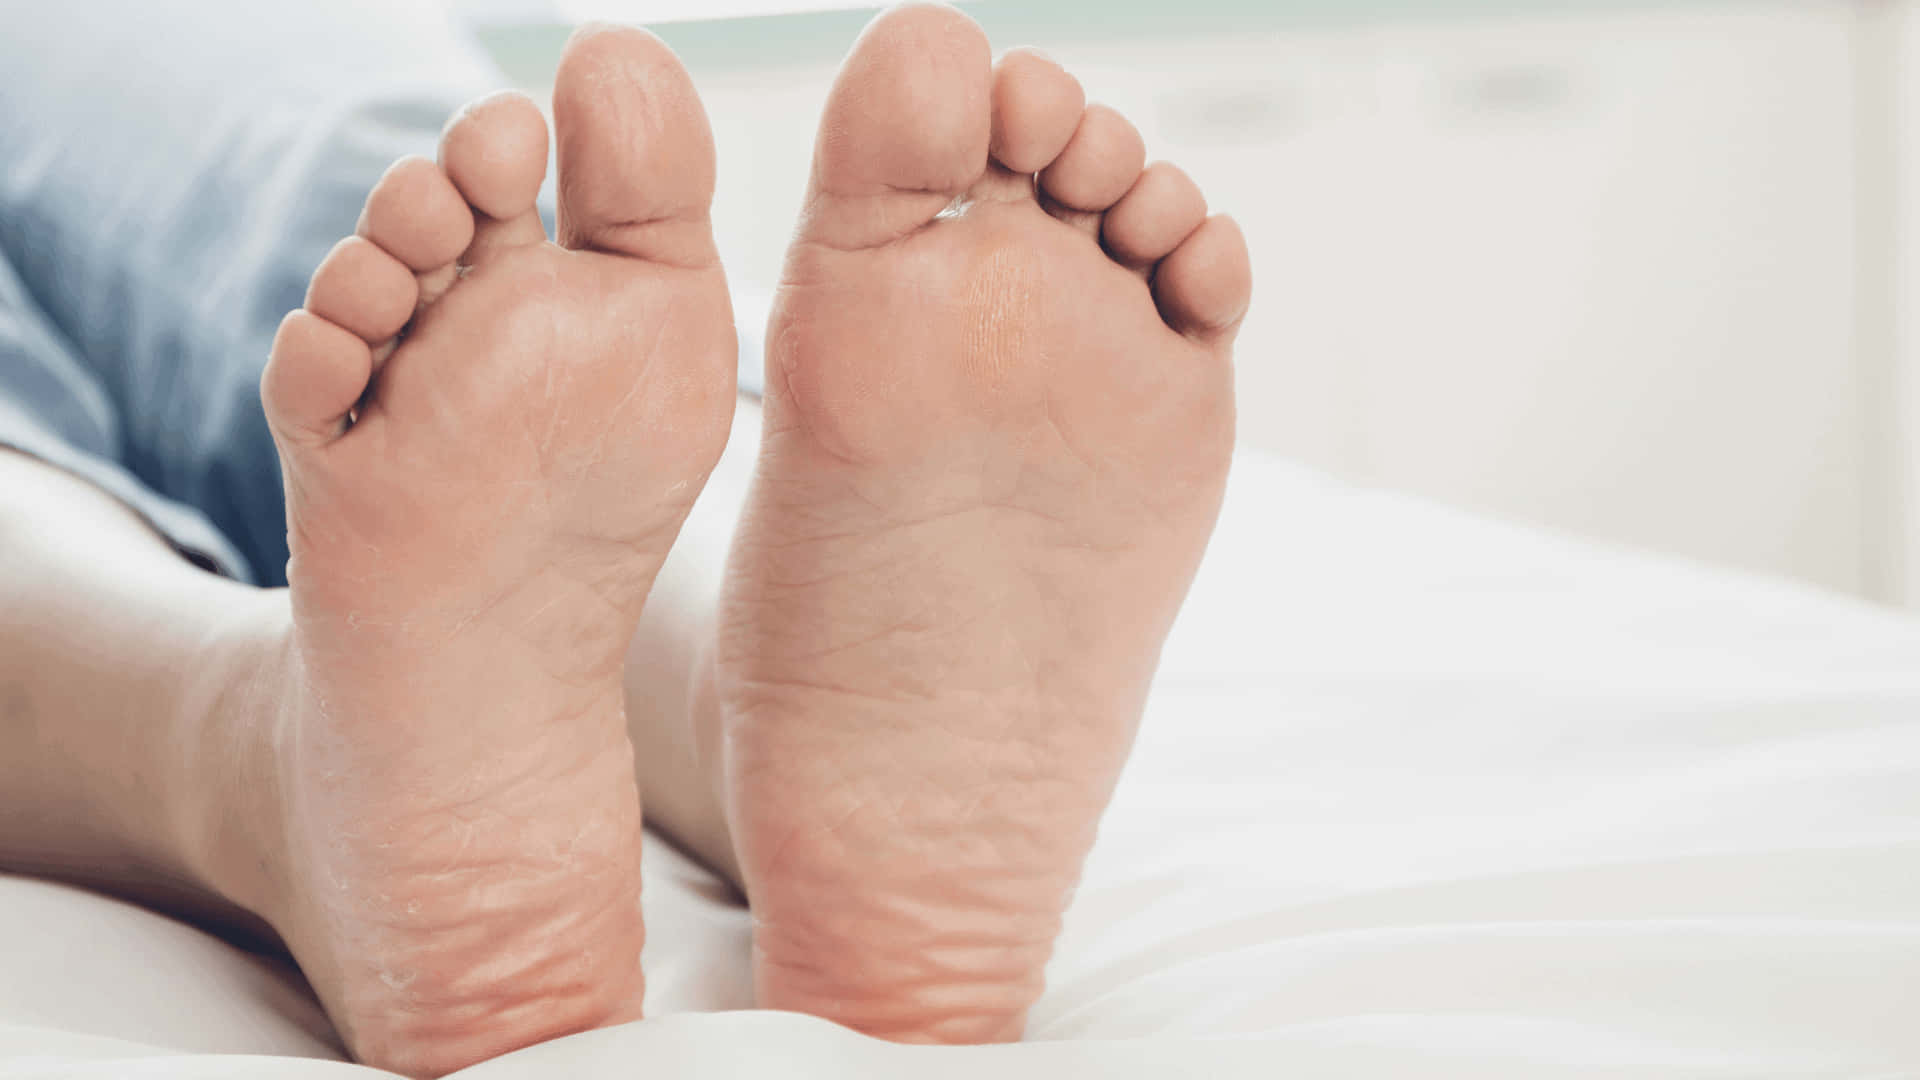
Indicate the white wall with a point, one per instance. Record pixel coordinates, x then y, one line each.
1904 445
1591 270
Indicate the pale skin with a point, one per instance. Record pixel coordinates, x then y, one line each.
994 442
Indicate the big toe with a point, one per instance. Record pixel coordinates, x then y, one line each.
905 129
636 152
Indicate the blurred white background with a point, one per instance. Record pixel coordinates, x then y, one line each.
1635 270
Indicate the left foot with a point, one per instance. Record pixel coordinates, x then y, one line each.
996 440
477 512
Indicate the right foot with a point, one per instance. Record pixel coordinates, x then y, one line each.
999 415
477 509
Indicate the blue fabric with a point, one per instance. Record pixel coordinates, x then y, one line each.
170 175
53 407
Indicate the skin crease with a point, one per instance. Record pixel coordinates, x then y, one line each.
992 450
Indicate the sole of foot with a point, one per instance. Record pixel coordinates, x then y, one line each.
999 420
489 441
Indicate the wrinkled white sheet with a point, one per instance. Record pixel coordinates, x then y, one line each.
1418 795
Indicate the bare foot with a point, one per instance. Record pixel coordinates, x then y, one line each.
996 440
476 515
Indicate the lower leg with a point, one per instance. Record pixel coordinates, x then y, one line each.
137 732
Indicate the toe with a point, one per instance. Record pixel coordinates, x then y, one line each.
1163 207
1203 287
415 214
905 129
1099 164
495 153
362 289
314 376
1036 107
636 153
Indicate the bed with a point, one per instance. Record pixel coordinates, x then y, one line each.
1418 794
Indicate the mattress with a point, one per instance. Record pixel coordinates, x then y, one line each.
1418 794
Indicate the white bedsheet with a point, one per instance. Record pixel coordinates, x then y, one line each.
1418 795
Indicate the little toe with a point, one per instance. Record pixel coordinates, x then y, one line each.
417 216
315 375
1036 107
495 153
1204 285
362 289
1163 208
1100 162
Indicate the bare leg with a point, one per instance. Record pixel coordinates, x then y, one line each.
128 701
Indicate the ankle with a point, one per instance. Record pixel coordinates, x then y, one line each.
230 824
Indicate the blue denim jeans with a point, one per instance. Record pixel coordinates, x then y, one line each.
170 175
